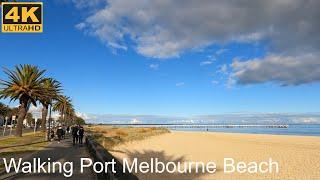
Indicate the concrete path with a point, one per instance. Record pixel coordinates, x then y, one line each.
58 152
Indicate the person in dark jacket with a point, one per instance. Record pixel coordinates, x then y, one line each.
51 135
64 132
74 130
59 133
80 134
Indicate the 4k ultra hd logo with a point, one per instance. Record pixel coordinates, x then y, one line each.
22 17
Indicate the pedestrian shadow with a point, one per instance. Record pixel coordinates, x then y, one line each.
54 152
116 151
100 154
146 156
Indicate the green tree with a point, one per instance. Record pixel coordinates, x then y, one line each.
30 119
79 120
53 87
4 110
13 112
24 85
64 106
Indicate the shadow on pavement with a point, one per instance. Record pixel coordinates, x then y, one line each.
62 152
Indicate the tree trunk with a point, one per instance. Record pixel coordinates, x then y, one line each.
44 118
21 116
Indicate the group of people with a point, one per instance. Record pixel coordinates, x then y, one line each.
60 133
76 131
77 134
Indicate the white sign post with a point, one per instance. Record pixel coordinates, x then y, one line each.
12 123
5 125
35 125
37 116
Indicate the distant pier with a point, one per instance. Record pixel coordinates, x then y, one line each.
205 126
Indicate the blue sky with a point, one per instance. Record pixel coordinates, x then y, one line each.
105 74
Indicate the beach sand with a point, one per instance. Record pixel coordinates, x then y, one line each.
298 156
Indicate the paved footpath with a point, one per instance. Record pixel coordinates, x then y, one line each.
62 152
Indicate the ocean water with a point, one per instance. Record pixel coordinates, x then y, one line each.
302 130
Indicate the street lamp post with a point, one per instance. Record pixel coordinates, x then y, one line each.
12 123
49 123
35 125
5 125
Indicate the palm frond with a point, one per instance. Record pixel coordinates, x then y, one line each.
23 82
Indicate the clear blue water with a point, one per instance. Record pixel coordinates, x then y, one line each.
302 130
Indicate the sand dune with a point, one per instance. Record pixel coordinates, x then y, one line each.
298 156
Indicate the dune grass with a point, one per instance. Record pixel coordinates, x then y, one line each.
109 136
21 146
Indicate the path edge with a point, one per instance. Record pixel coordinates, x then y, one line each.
100 154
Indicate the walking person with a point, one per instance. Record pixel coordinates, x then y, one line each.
59 133
74 130
51 135
64 132
68 129
80 133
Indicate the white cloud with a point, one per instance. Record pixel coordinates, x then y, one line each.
232 118
221 51
135 121
36 111
179 84
230 82
214 82
55 115
223 69
154 66
85 3
167 28
283 70
212 57
82 115
81 26
289 29
127 118
204 63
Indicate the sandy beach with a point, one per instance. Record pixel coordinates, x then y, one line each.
298 156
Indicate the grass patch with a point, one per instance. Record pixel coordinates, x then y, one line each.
109 136
21 146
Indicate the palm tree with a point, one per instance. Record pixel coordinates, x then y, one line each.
54 88
24 84
64 106
13 111
70 114
4 110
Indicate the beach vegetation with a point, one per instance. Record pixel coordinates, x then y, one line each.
110 136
